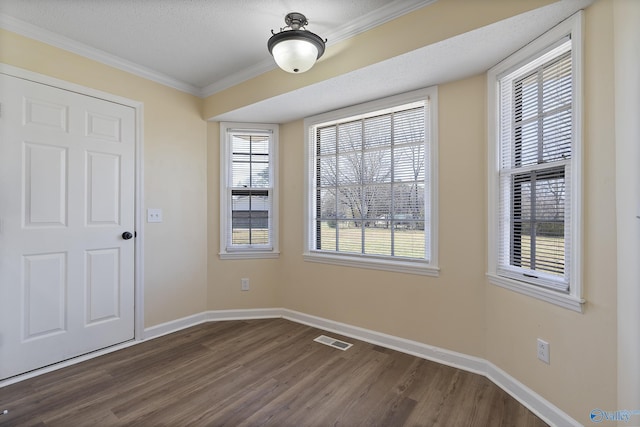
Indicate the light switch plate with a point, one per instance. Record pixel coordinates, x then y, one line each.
154 215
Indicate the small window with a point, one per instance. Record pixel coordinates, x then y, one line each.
371 192
248 219
534 189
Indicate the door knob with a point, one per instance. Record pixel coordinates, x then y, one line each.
127 235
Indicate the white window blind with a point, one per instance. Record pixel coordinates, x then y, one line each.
536 128
371 184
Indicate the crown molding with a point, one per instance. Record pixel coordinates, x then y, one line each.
364 23
45 36
382 15
239 77
386 13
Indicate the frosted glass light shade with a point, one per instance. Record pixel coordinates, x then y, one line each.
296 50
294 55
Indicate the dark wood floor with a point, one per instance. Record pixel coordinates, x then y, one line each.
258 373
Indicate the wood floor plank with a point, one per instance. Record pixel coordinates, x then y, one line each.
259 373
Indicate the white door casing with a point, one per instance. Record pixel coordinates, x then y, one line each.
67 195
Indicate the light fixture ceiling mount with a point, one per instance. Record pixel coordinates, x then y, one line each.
295 49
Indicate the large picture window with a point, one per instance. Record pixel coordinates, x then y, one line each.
371 184
248 219
535 190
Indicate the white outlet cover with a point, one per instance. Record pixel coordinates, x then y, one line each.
154 215
543 351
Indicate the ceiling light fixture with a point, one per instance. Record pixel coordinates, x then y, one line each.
295 50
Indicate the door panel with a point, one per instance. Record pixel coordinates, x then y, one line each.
103 127
38 112
44 288
103 285
103 189
66 196
45 185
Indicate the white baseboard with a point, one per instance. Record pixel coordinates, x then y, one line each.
414 348
544 409
210 316
174 326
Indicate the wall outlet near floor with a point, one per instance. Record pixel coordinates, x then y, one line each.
543 351
244 284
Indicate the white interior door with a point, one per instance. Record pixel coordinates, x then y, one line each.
66 198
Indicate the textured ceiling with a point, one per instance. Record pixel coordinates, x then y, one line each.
453 59
200 46
203 46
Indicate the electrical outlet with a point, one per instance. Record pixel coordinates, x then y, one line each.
244 284
543 351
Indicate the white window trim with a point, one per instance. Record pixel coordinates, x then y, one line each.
247 252
401 265
574 299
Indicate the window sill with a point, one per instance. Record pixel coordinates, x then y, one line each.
249 255
563 300
398 266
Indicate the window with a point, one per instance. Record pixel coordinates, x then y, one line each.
534 186
248 209
371 185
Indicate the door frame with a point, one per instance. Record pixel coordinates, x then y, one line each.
139 177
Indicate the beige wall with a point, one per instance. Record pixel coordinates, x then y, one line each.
459 310
174 172
447 311
627 105
582 373
224 275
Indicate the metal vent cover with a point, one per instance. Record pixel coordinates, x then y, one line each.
332 342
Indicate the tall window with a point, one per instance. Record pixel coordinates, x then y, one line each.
371 177
535 167
248 175
534 207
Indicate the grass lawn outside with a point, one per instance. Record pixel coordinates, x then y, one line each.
407 243
258 236
549 254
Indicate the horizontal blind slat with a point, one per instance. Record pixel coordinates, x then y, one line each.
370 182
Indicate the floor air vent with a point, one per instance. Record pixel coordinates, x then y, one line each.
332 342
